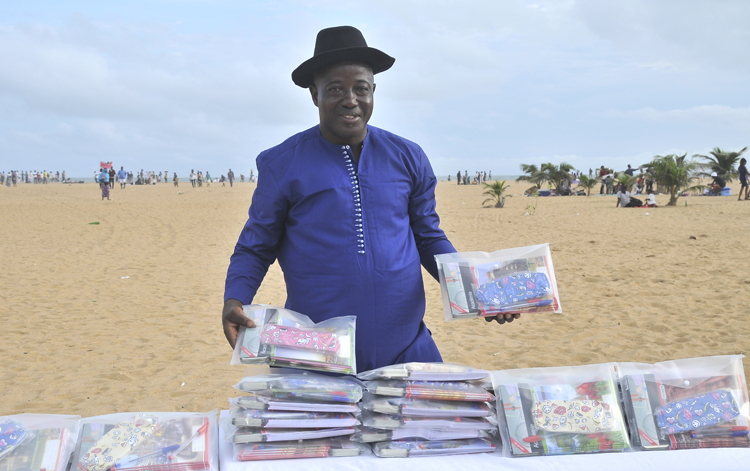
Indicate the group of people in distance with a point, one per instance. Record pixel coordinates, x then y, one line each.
197 179
106 178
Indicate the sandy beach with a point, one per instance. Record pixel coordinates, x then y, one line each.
124 315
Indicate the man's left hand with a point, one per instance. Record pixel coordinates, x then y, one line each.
502 318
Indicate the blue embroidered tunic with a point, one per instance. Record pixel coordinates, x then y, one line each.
349 238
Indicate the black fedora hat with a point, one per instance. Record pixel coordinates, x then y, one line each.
340 44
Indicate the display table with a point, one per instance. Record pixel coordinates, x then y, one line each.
719 459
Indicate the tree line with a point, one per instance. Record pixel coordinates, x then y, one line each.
676 173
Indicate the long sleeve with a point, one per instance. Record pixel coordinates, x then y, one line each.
424 221
258 245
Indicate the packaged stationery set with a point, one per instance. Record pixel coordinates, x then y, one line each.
307 408
417 448
436 411
36 442
480 284
302 449
684 404
148 441
286 338
560 411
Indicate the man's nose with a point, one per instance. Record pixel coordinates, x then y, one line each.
350 98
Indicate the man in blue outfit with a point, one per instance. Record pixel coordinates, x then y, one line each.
349 212
122 176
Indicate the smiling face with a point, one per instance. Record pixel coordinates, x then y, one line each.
343 94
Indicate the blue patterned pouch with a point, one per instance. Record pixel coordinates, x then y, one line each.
697 412
11 435
514 289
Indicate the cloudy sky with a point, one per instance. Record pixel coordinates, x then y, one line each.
488 85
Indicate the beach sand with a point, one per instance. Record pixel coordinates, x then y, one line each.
125 315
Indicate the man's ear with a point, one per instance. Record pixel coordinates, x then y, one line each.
314 94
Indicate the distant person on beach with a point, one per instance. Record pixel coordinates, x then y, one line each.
629 172
193 177
624 200
651 200
717 184
208 178
122 176
743 179
175 180
230 177
602 173
458 177
348 210
104 183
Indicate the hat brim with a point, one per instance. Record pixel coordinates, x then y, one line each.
378 60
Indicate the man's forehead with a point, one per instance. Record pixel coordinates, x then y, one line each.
340 69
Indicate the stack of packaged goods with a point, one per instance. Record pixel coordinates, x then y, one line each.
426 409
293 416
148 441
36 442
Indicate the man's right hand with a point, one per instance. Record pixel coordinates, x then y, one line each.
233 318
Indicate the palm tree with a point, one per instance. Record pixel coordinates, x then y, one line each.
627 181
721 162
674 172
532 175
496 192
588 183
555 175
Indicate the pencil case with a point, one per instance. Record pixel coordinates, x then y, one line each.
697 412
576 416
514 289
297 338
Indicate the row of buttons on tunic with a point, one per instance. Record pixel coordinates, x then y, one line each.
357 201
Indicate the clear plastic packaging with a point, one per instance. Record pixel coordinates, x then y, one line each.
395 422
13 435
248 340
426 372
560 411
438 390
306 386
372 435
424 408
686 404
266 403
276 419
508 281
286 338
148 441
304 449
35 442
416 448
261 435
